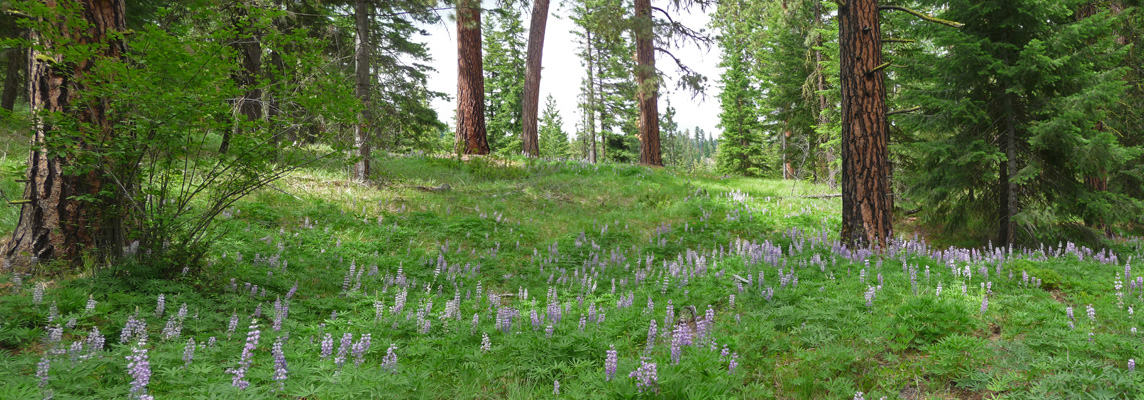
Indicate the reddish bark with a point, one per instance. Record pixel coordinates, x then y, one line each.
471 135
361 90
866 207
65 211
532 78
648 96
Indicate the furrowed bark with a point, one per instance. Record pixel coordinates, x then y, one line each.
530 135
66 212
866 207
648 86
361 90
472 138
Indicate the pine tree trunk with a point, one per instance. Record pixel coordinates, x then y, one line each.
592 106
530 139
16 64
472 137
866 212
1007 188
65 214
361 90
249 106
1099 181
648 86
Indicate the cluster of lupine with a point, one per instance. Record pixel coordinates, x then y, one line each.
246 357
645 376
139 367
280 370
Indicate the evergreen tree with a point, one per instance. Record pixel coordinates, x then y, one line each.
553 139
504 48
741 145
1014 107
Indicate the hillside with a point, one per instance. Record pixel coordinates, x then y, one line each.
518 280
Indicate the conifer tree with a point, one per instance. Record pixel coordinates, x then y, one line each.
504 52
553 139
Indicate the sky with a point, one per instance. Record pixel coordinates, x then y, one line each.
562 71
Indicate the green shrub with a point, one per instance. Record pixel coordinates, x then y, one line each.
924 320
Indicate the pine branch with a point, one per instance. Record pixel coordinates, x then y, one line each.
879 68
840 3
927 18
908 110
896 40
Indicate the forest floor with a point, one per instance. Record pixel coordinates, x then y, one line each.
520 279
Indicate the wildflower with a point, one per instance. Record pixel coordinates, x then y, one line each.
486 345
139 368
476 320
938 289
583 322
1091 314
1069 312
733 364
134 328
90 304
189 351
610 363
246 357
42 371
984 304
279 364
232 326
858 396
871 292
160 305
1131 365
555 387
95 341
548 331
38 293
344 348
651 333
389 362
361 347
645 375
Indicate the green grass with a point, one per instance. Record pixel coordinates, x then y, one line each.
527 225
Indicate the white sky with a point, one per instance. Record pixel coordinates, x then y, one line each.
562 70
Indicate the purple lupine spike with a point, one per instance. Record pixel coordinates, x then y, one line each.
651 335
189 351
556 387
734 363
486 344
344 348
646 378
610 363
361 347
42 370
139 367
389 362
246 357
280 369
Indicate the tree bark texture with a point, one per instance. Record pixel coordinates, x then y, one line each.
530 134
361 90
472 138
648 86
592 106
64 212
1099 182
1007 199
867 217
248 108
17 61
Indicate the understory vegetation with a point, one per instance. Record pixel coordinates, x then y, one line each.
534 279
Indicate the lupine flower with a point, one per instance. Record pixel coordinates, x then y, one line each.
938 292
984 304
90 304
610 363
344 348
160 305
645 375
535 320
211 341
651 335
1091 314
486 345
38 293
858 396
871 292
555 387
53 312
42 369
734 363
677 343
389 362
247 356
548 331
139 368
279 364
1131 365
232 326
361 347
476 320
1069 312
95 341
583 322
189 351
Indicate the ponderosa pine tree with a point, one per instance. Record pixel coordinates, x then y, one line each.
553 139
741 145
362 89
70 205
531 100
471 135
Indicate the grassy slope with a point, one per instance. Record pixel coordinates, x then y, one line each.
814 340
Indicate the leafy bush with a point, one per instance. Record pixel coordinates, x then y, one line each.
923 320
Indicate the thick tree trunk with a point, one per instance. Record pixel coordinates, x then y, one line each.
824 103
16 64
248 107
530 136
867 217
648 86
592 106
471 135
1099 182
361 90
66 210
1007 188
